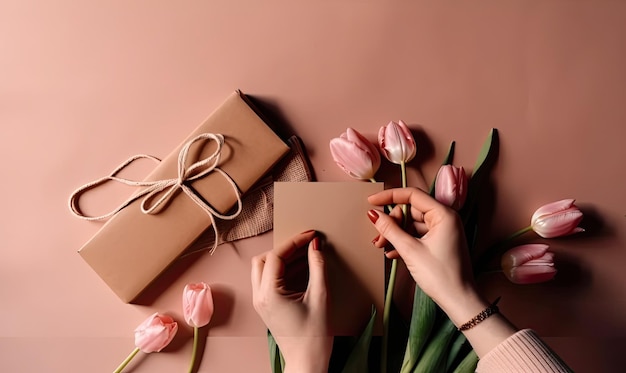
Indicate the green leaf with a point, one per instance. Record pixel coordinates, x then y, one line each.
468 364
358 359
422 321
486 159
486 152
277 361
433 359
455 349
446 160
398 336
450 155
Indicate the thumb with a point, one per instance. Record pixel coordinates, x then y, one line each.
389 228
317 270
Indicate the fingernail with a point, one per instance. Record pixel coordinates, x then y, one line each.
373 215
375 239
316 244
309 231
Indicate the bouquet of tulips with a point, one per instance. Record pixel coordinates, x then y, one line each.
433 343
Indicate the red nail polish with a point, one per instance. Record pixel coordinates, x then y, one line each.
375 239
316 244
373 215
309 231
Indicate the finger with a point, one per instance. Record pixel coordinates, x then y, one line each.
418 199
388 228
417 214
258 262
275 259
420 228
273 272
392 254
300 255
317 271
285 250
396 214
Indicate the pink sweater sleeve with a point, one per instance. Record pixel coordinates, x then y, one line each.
523 352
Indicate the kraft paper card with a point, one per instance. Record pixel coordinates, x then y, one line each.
355 269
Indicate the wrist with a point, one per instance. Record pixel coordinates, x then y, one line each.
312 355
463 305
304 369
306 366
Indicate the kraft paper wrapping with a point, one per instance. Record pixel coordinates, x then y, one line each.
355 269
133 248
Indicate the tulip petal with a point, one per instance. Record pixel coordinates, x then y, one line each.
396 142
558 224
546 259
197 304
355 155
155 333
352 159
531 274
451 186
365 145
519 255
552 208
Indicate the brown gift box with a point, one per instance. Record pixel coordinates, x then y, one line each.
133 248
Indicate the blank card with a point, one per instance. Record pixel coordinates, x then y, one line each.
354 267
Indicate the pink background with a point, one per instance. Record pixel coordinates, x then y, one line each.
83 86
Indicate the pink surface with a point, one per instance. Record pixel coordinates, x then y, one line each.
83 86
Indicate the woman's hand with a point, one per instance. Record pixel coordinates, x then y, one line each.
295 312
438 261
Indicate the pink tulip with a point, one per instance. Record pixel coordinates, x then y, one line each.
355 155
396 142
557 219
451 186
528 264
156 332
197 304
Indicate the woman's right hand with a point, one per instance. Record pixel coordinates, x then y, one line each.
438 261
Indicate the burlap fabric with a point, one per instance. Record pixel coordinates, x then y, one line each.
257 215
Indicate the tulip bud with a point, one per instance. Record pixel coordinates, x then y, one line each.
156 332
396 142
355 155
451 186
528 264
557 219
197 304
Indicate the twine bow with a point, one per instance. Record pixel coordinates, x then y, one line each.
166 188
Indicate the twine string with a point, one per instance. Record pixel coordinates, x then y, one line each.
157 194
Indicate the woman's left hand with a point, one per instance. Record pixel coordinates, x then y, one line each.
297 316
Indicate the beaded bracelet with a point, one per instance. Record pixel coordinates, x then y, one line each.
491 310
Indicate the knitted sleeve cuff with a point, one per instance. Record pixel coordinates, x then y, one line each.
523 352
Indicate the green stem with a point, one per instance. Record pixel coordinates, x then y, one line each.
518 233
387 313
404 209
497 248
127 360
403 169
196 337
391 285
